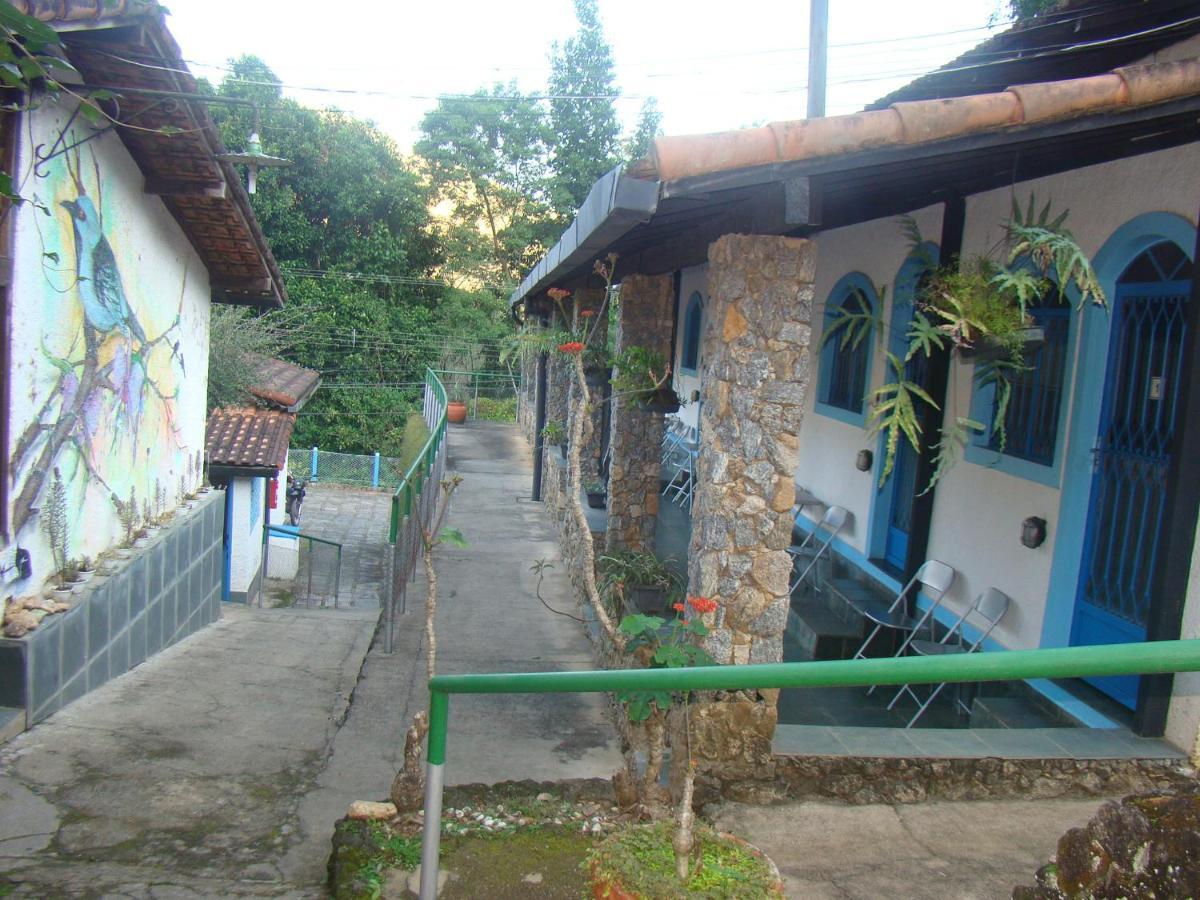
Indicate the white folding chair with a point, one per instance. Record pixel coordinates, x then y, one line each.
933 578
990 606
813 547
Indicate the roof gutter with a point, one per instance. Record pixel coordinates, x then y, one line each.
614 206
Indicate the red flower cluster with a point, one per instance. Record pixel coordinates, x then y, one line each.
557 293
571 347
702 604
587 313
678 607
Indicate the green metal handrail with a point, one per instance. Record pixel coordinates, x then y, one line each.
413 479
1060 662
337 579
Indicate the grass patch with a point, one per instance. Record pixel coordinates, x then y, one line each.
416 433
496 409
642 860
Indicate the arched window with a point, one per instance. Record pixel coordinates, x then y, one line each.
1035 403
692 321
845 355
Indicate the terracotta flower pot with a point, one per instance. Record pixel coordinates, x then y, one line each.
456 412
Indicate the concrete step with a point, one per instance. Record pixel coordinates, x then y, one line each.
814 632
1011 712
12 723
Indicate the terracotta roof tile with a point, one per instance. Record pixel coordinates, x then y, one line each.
284 384
248 437
82 10
919 121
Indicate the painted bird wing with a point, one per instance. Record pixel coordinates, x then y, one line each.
110 292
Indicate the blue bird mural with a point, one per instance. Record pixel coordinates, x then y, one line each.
100 286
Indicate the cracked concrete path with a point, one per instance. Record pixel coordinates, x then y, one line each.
976 850
218 768
182 778
489 620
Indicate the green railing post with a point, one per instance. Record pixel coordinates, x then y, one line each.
1011 665
435 766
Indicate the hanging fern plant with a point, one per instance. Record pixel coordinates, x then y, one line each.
978 307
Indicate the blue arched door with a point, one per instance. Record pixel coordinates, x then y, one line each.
1132 456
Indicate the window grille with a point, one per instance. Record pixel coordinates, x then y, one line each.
1031 420
846 376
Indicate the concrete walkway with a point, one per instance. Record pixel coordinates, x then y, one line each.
976 850
219 767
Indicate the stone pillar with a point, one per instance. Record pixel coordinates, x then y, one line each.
590 299
559 376
645 311
756 370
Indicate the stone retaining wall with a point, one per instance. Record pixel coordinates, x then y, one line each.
861 780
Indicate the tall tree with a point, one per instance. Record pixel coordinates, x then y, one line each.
486 157
348 205
583 116
649 126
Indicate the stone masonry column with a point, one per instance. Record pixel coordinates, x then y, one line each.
558 381
756 371
590 299
645 311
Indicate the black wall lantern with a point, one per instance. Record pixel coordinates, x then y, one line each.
864 460
1033 532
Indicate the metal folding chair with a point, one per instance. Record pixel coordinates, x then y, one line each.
990 606
933 578
813 547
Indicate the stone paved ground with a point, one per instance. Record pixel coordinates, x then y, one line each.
359 520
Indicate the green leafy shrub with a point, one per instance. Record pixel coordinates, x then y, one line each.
496 409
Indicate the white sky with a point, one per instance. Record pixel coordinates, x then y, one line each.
712 66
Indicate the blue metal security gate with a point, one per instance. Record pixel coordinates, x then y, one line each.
1132 457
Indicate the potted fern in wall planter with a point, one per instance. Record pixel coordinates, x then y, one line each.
553 433
644 374
979 309
637 582
597 494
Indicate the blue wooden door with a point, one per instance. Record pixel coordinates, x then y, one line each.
903 483
1131 458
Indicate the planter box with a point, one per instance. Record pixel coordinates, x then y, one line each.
157 598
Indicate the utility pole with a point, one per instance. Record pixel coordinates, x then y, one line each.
818 56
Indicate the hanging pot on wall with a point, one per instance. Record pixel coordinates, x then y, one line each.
664 401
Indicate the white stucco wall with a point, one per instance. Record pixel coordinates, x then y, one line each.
139 425
246 526
828 447
691 280
978 510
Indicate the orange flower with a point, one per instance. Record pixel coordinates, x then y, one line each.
557 293
678 607
702 604
571 347
587 313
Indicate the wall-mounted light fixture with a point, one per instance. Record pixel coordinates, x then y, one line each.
864 460
1033 532
695 396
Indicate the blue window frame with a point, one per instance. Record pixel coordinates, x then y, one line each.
693 320
845 366
1035 403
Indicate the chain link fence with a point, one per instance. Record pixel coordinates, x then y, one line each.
353 469
489 396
